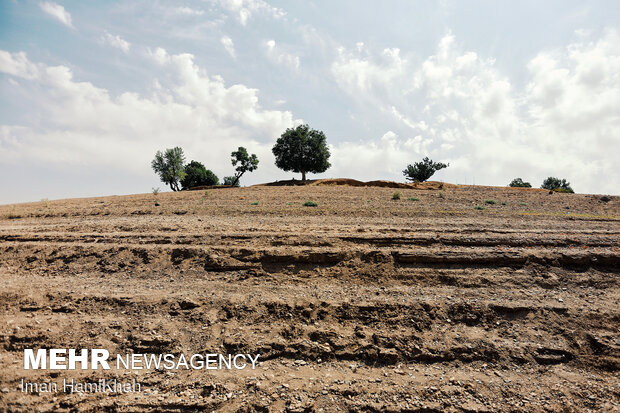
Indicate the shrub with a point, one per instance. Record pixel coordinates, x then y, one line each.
490 202
396 195
155 191
413 198
479 208
197 175
254 203
522 204
421 171
556 184
519 183
441 195
503 203
310 204
231 181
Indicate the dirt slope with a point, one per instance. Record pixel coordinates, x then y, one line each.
363 303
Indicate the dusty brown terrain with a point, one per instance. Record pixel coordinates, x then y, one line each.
362 303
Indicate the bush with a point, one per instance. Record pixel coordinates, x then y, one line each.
519 183
197 175
254 203
490 202
231 181
310 204
479 208
396 195
556 184
421 171
413 198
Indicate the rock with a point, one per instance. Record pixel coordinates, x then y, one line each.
188 305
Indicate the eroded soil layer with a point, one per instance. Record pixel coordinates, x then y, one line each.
363 303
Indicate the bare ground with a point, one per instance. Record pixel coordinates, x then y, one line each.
363 303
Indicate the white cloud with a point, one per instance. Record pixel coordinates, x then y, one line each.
381 158
116 41
188 11
245 9
228 44
58 12
17 64
565 122
279 56
80 123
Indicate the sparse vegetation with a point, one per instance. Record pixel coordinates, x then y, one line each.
441 195
302 149
155 193
247 163
169 166
254 203
503 204
310 204
413 198
479 208
197 175
422 171
557 185
519 183
396 195
490 202
522 203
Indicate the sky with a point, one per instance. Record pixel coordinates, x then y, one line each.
90 91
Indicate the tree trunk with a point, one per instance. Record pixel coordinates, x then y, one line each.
303 176
237 177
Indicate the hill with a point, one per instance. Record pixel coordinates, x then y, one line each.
362 303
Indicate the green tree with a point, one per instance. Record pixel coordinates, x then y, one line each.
169 166
231 181
519 183
556 184
302 149
197 175
247 163
421 171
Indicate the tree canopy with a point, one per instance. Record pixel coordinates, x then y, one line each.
519 183
169 166
421 171
556 184
243 162
302 149
197 175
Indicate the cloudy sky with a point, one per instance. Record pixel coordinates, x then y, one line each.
89 91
